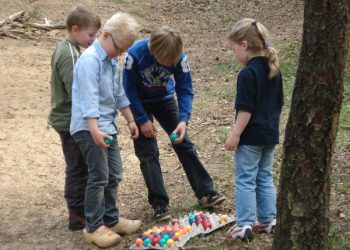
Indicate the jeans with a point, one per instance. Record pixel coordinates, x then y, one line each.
146 149
76 174
255 190
105 173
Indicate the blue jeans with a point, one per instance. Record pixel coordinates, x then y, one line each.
76 174
105 173
255 190
146 149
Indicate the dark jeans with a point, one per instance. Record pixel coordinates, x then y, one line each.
76 174
166 113
105 173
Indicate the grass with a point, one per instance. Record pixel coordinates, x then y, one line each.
227 67
288 74
34 13
343 137
337 240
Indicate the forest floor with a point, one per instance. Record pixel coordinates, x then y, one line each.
33 212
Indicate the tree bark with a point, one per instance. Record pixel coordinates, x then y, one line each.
304 190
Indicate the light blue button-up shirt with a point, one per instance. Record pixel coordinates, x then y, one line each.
97 91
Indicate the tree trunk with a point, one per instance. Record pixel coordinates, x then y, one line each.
304 190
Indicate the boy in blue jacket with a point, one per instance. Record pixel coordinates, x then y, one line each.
152 68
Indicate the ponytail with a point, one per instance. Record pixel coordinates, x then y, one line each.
256 34
273 62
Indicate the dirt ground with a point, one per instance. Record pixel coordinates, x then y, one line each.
33 213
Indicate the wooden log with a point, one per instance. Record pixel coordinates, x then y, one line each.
8 35
12 18
48 26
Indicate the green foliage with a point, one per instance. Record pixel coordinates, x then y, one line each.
343 137
34 13
288 74
337 240
222 135
230 66
185 209
139 13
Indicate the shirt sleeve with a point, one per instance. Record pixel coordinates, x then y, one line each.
65 71
131 77
86 78
246 91
184 88
122 100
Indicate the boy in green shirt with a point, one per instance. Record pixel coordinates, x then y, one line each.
82 26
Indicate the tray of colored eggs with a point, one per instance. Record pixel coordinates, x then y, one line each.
176 233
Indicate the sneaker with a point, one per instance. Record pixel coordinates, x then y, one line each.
76 221
161 213
241 233
126 226
265 228
102 237
212 199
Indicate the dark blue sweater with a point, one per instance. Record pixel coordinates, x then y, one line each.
261 97
146 81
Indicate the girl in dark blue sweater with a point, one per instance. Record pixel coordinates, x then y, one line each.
259 100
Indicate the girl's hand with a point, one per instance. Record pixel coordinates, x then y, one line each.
232 142
134 131
180 131
148 130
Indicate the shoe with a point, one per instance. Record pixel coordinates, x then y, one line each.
76 221
212 199
265 228
102 237
161 213
126 226
241 233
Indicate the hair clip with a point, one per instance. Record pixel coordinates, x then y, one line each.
266 46
254 22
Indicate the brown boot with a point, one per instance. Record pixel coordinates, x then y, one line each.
102 237
76 221
126 226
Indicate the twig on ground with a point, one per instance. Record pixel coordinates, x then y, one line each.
12 18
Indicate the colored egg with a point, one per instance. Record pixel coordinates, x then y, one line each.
162 242
138 242
177 235
170 243
146 242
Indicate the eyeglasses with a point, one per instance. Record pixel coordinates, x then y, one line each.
116 46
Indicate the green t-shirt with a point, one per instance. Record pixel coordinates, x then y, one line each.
62 63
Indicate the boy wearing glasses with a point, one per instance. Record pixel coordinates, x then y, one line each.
155 70
97 94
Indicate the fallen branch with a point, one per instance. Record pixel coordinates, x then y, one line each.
48 26
12 18
8 35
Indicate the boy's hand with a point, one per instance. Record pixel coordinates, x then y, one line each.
134 131
180 131
149 130
231 143
98 137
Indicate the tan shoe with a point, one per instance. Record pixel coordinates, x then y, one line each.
102 237
126 226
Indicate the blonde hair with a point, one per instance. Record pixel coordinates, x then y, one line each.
166 44
256 35
83 17
122 25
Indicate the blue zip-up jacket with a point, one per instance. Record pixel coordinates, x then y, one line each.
146 81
